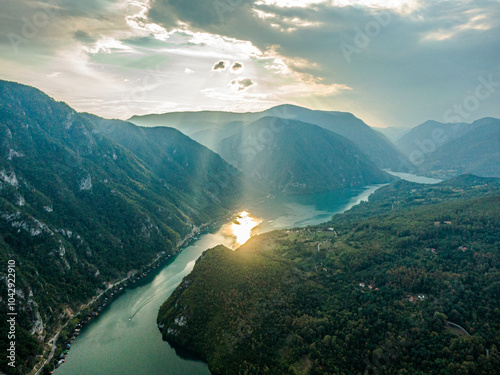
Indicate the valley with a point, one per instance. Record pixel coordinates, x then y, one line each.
128 324
375 289
258 187
90 204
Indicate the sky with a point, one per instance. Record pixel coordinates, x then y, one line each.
391 63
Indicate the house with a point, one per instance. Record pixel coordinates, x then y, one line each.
370 286
362 285
437 223
463 248
421 296
410 299
447 222
433 251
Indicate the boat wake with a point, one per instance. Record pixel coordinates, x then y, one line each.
146 302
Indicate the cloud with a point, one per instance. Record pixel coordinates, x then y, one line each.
236 67
220 65
84 37
423 60
426 58
241 84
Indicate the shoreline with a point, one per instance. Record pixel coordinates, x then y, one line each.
161 257
181 245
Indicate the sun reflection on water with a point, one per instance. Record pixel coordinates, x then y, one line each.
241 228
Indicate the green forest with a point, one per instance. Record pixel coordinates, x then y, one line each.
378 290
83 205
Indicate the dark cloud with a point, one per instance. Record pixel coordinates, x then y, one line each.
237 66
200 14
242 84
84 37
220 65
413 67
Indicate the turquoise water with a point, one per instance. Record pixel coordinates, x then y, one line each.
124 339
414 178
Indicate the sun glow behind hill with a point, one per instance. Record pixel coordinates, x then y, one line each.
241 228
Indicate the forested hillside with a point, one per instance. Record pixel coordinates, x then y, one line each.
211 127
409 291
448 150
296 157
477 151
403 195
78 210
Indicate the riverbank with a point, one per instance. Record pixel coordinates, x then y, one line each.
414 178
111 288
129 323
105 297
114 289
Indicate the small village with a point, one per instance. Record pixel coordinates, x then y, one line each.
94 308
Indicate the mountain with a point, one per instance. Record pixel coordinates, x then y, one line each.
373 144
412 290
209 128
288 156
429 136
206 127
392 133
199 173
84 201
190 122
477 152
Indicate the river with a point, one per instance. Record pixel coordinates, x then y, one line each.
124 339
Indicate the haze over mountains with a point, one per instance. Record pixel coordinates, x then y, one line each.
86 200
79 209
392 133
295 157
209 128
271 186
413 150
447 150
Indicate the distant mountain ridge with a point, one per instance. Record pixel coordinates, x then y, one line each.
295 157
209 127
392 133
84 201
439 133
447 150
477 152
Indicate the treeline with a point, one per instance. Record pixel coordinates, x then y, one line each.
84 201
383 295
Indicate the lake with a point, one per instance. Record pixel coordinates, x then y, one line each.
125 340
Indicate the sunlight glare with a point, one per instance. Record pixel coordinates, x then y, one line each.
242 228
